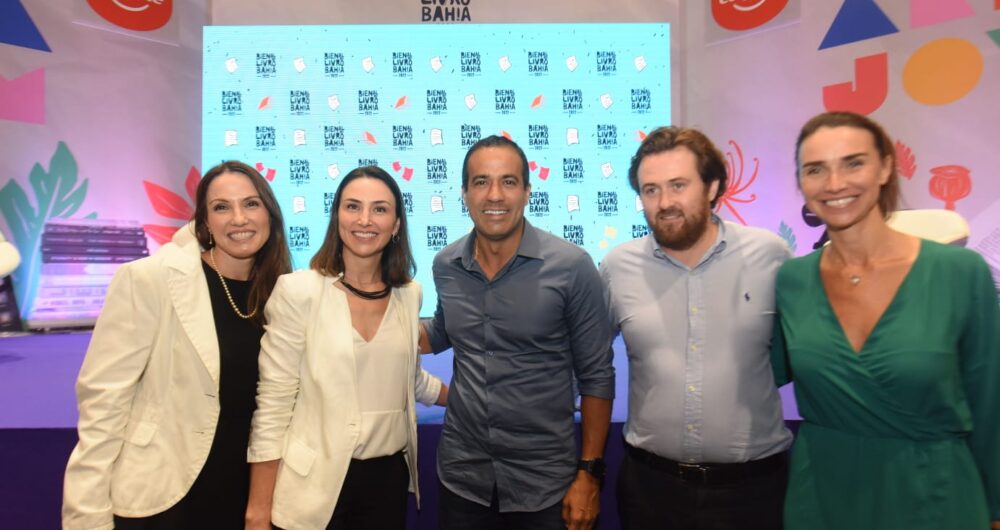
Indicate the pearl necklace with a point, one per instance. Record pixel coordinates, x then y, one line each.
229 296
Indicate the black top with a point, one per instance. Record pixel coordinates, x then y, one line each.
218 497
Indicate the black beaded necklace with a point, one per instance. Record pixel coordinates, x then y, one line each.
367 295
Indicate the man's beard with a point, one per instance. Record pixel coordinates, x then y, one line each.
685 235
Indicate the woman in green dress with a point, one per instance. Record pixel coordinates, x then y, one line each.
894 345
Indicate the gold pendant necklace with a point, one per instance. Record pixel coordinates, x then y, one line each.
229 296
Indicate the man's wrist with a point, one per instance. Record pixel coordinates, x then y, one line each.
594 467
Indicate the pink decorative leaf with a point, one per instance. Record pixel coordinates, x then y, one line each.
370 138
906 162
191 182
160 233
537 102
401 102
167 203
506 135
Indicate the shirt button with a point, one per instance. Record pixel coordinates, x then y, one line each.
694 348
690 427
694 310
489 352
690 388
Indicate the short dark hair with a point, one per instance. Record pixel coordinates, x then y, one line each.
709 160
888 194
273 259
397 262
495 141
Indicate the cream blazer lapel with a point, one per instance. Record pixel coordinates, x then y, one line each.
192 303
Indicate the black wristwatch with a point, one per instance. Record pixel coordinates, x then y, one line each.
595 467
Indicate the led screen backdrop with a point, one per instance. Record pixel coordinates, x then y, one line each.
306 104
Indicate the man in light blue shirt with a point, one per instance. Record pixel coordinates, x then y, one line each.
705 438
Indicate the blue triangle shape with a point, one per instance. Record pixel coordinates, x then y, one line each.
857 20
17 28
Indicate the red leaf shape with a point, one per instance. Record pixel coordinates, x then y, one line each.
532 165
160 233
543 173
537 102
167 203
401 102
396 166
506 135
640 134
264 103
191 183
370 138
906 162
407 173
269 175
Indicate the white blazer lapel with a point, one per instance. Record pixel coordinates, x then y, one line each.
192 304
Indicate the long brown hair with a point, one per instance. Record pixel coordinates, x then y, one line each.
273 259
397 262
888 194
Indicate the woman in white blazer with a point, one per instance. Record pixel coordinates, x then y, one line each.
333 443
166 391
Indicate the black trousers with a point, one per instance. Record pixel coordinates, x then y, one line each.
649 498
373 496
458 513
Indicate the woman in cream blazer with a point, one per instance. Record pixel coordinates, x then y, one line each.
310 415
148 390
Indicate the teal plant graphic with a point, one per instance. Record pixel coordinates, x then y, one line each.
58 193
788 235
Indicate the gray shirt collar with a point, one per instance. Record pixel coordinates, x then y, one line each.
716 249
529 247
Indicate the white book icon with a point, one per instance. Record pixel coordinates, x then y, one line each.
231 138
573 203
572 136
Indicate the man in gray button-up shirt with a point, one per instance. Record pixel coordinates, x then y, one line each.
694 301
524 312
